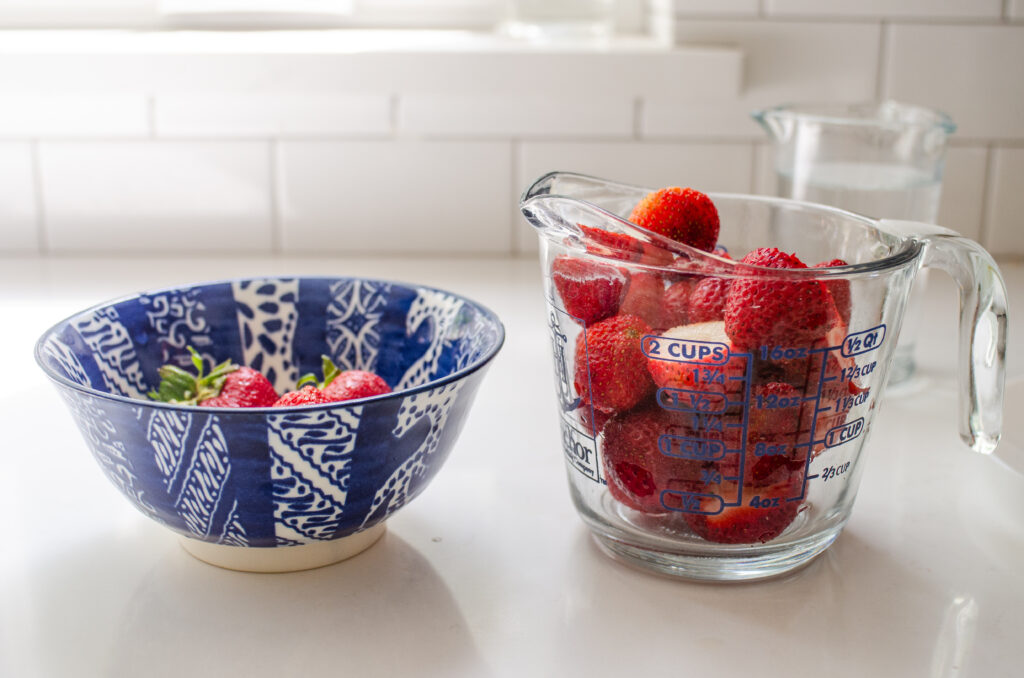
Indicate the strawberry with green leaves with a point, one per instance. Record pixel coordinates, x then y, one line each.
226 385
336 385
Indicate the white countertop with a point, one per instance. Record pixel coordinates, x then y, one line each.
490 572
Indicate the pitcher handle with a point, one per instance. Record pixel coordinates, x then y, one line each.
983 326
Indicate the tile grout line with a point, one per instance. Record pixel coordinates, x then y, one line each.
754 167
273 197
881 74
638 116
987 196
513 243
151 115
42 240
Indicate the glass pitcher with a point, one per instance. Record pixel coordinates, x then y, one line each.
884 160
709 450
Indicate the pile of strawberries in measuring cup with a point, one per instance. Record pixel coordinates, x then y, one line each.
703 390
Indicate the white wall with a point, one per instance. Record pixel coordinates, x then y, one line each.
124 155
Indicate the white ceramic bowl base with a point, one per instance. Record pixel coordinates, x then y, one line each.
285 558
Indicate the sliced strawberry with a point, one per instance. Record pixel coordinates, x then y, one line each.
591 291
695 358
682 214
611 370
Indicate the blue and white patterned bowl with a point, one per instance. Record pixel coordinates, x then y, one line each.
305 486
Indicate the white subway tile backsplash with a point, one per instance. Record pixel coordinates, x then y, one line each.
924 9
784 62
708 167
272 114
73 115
971 72
963 190
528 116
724 119
415 197
18 218
1005 227
717 7
156 196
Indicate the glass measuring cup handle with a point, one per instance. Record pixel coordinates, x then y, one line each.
983 324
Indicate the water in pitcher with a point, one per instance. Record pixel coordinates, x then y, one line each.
881 191
873 189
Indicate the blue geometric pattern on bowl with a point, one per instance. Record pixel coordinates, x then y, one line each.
267 477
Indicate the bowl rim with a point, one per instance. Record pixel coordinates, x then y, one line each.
457 375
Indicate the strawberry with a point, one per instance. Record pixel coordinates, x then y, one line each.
611 370
352 384
636 469
775 410
762 517
644 298
624 247
840 289
338 385
707 300
227 385
591 418
245 387
676 302
590 291
682 214
307 395
696 358
765 311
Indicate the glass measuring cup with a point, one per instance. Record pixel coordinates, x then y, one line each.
695 450
884 160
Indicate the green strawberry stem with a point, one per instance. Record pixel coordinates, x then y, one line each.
183 388
329 369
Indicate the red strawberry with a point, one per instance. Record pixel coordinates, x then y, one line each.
227 385
707 300
611 370
840 289
624 247
590 291
352 384
762 517
682 214
592 418
245 387
307 395
635 467
644 297
676 302
765 311
775 410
